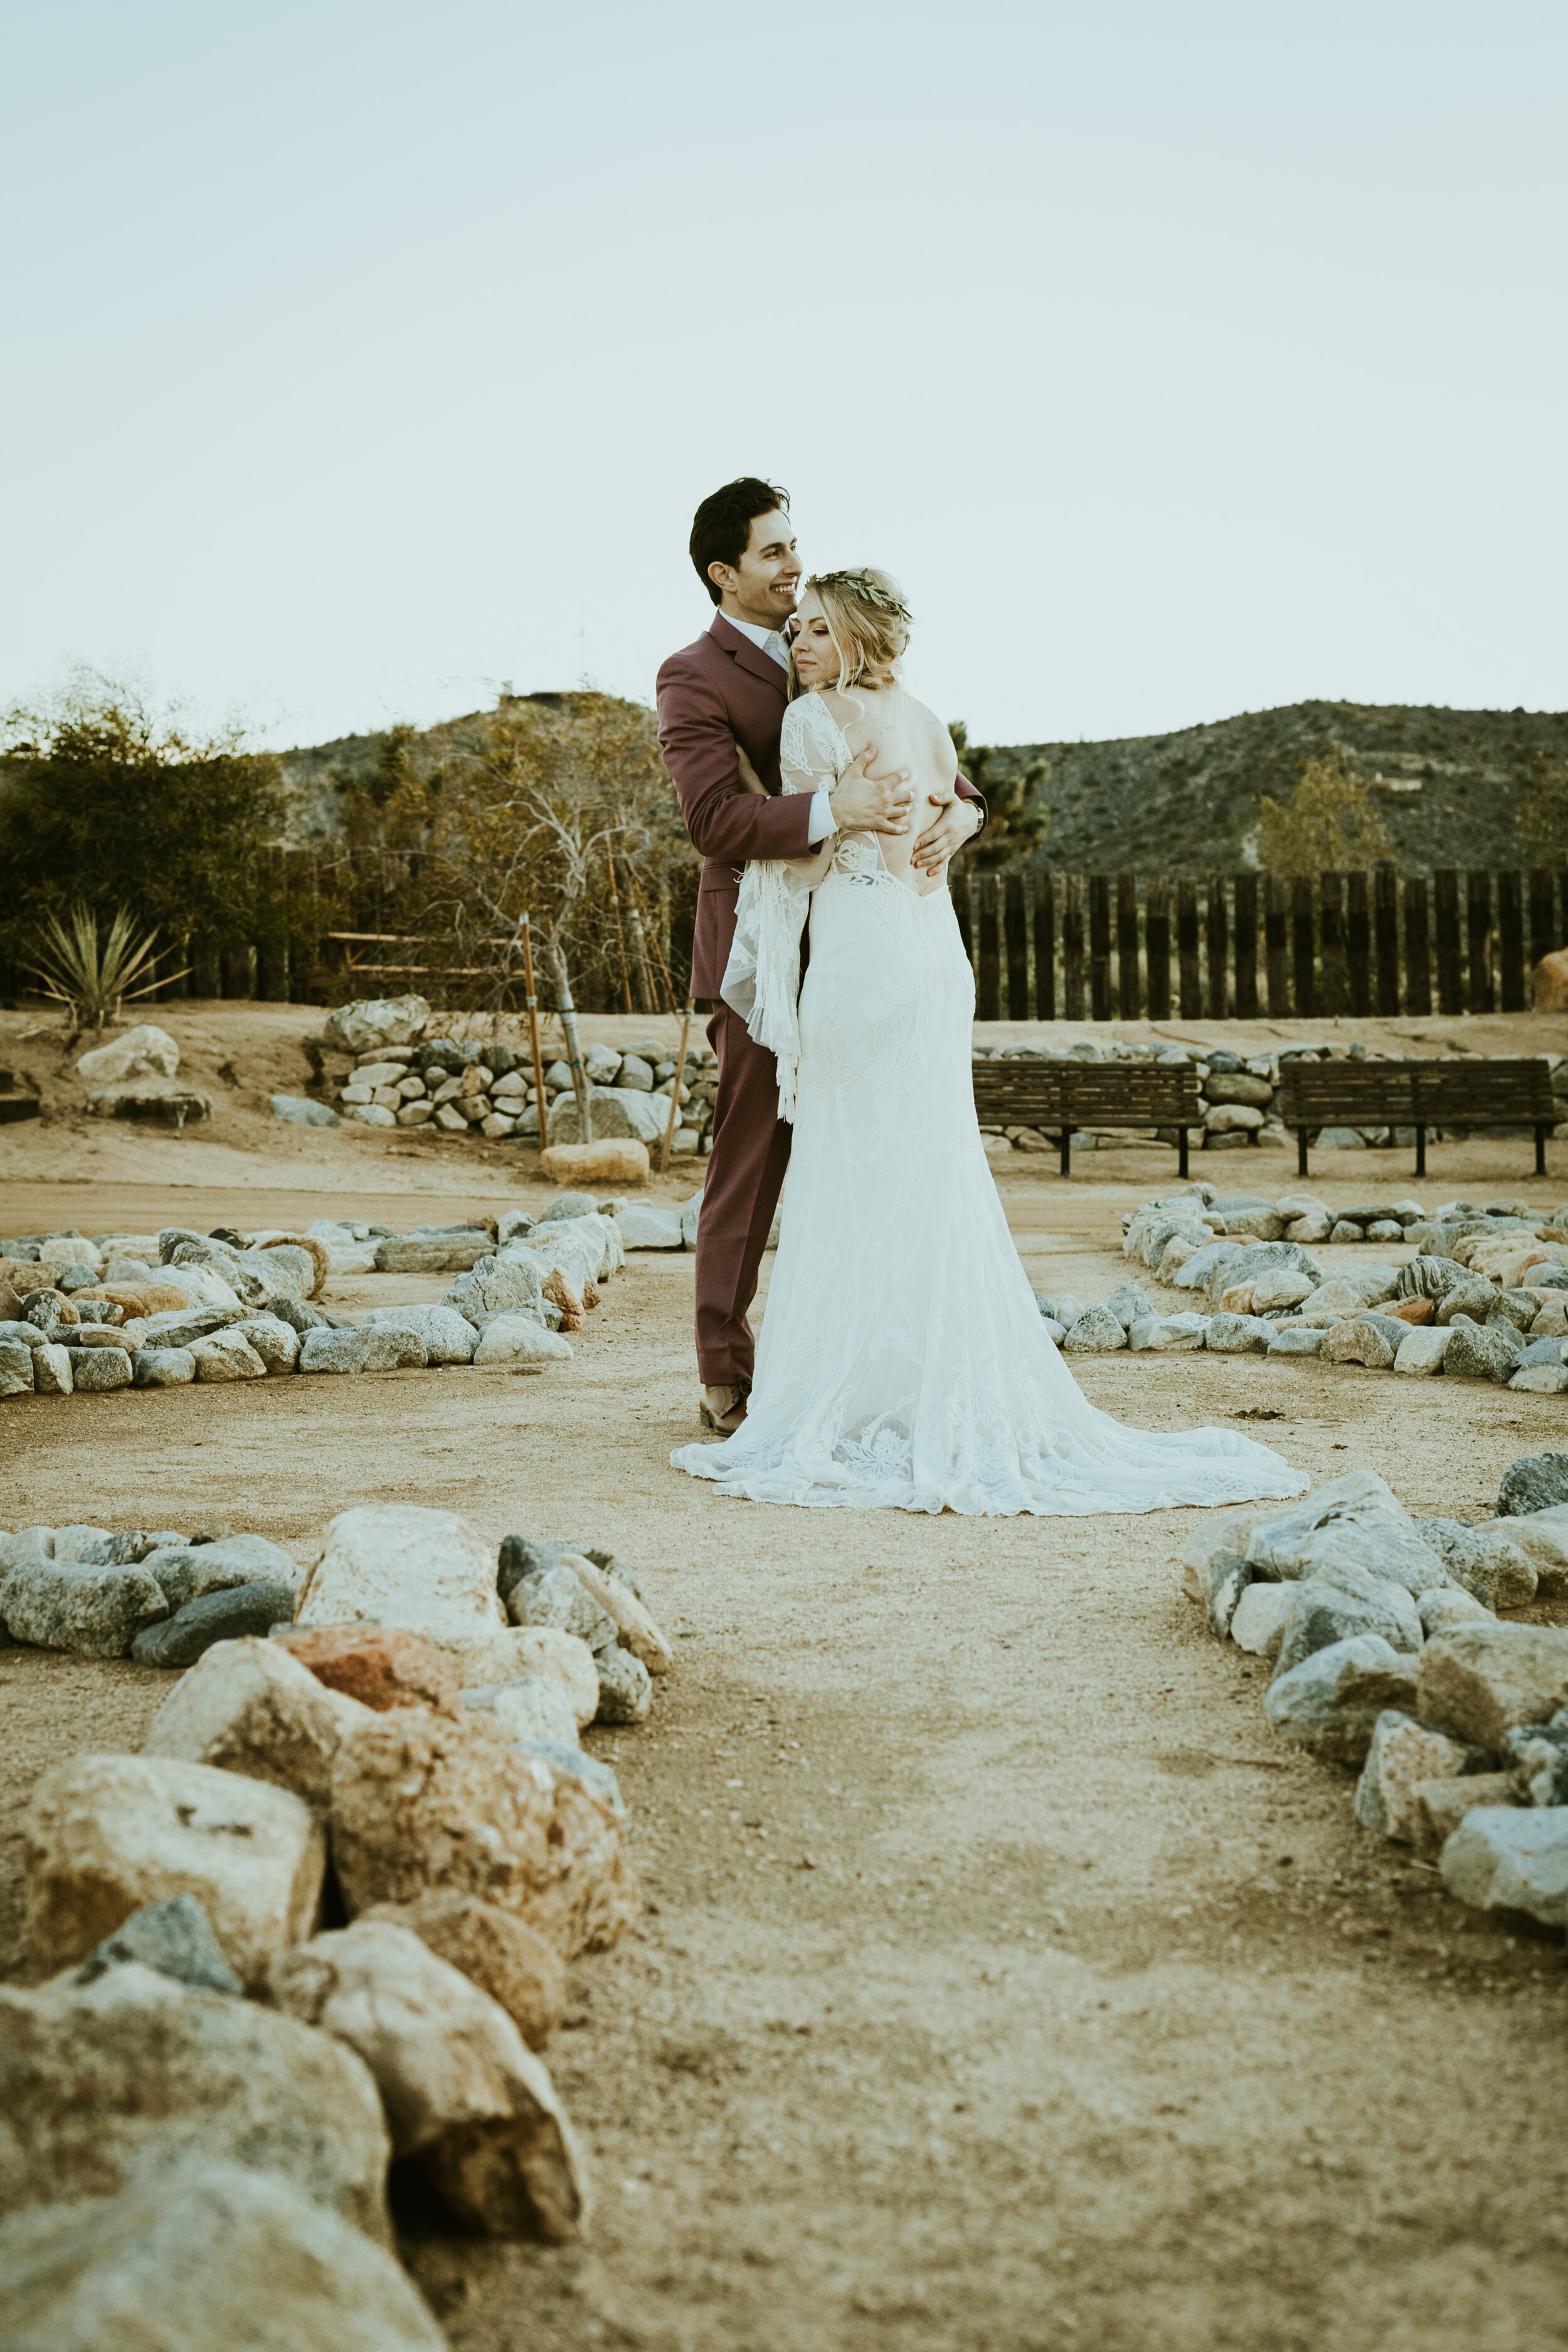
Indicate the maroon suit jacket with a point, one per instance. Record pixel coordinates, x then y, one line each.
721 691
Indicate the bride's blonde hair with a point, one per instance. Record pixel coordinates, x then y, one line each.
867 621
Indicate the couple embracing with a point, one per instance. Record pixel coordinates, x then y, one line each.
903 1362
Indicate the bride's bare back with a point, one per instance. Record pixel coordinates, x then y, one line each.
906 735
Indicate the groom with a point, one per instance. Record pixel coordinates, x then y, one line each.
719 698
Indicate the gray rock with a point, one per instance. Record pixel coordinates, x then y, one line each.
227 1356
1537 1755
223 1616
1481 1354
619 1111
562 1210
1373 1340
373 1348
1330 1703
186 2260
1473 1302
176 1938
372 1021
1502 1857
635 1072
1261 1617
181 1327
1443 1606
1097 1331
96 1370
1169 1334
299 1110
554 1597
508 1284
625 1687
1421 1353
1404 1753
1484 1680
1239 1335
269 1337
1357 1522
1339 1602
69 1604
1296 1340
135 2072
17 1367
645 1227
1129 1304
1536 1482
1482 1559
186 1571
1196 1272
434 1252
446 1335
518 1343
162 1368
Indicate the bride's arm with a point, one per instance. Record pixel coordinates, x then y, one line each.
805 766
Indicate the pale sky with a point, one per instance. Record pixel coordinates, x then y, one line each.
1179 359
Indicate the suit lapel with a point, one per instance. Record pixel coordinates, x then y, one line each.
748 656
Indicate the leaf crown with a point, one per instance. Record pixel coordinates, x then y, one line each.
868 589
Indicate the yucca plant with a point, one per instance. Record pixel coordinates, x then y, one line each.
92 978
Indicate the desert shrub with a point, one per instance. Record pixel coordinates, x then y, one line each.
1016 820
1326 825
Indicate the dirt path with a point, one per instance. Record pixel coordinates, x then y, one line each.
1004 1984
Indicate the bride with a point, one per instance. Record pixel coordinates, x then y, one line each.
903 1363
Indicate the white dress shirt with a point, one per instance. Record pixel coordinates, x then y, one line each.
771 642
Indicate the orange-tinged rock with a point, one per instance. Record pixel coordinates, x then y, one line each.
617 1161
138 1297
1411 1310
1551 978
379 1666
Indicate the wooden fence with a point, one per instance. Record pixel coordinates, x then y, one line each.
1045 946
1104 947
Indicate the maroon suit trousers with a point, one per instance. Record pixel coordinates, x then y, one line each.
746 1176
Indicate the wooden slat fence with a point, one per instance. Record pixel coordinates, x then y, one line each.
1044 945
1130 946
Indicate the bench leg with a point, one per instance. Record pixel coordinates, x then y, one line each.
1421 1151
1182 1152
1540 1151
1067 1147
1300 1152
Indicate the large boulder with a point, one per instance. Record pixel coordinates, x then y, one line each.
1483 1680
104 1836
1355 1521
419 1802
462 2091
377 1021
1403 1754
508 1284
401 1564
144 1052
249 1706
185 2261
1339 1602
1485 1560
617 1112
616 1160
101 2079
1505 1858
1536 1482
73 1604
1330 1703
447 1337
498 1952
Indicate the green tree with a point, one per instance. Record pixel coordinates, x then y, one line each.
106 805
1016 822
1325 827
1544 812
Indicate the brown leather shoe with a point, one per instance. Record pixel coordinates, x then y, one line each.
722 1408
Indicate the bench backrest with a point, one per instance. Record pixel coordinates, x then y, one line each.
1087 1094
1503 1093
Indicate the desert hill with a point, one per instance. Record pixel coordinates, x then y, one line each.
1447 783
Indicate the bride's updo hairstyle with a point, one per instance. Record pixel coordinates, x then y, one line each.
868 622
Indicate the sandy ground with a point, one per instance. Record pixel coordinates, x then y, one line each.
1003 1982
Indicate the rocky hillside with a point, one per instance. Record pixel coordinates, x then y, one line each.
1447 783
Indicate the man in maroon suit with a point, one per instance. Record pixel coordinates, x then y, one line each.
720 697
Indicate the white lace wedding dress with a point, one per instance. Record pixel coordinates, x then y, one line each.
903 1363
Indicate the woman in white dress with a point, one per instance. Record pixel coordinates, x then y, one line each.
903 1363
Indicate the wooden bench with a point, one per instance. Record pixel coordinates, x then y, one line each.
1067 1094
1420 1094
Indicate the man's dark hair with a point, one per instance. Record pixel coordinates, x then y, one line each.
723 523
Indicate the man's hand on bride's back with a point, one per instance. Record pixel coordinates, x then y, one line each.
863 802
